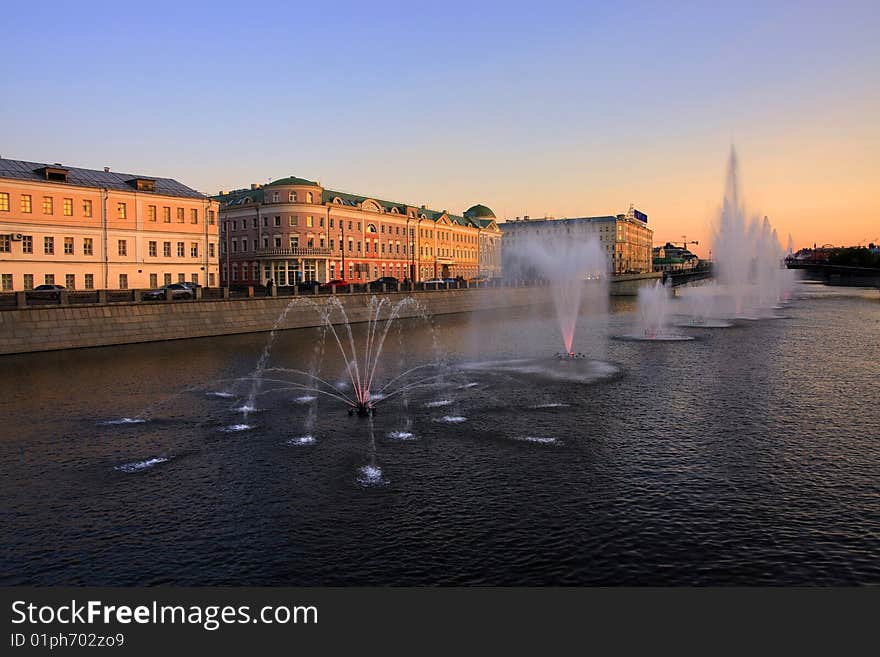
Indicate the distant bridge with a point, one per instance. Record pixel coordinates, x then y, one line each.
838 274
682 276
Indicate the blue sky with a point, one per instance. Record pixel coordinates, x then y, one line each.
532 108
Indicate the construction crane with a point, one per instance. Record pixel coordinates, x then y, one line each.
684 241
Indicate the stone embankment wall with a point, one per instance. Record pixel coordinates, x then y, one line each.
68 327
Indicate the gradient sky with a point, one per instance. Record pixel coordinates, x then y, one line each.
568 109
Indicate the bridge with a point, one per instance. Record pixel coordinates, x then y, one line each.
682 276
838 274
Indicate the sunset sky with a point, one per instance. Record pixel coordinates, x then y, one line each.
567 109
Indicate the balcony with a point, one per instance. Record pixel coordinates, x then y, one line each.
299 252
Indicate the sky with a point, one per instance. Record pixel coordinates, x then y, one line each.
538 108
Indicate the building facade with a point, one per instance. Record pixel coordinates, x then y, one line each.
89 229
625 238
670 257
293 230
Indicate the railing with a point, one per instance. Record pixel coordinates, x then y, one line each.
297 252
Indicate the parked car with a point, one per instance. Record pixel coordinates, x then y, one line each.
308 286
389 282
480 279
47 291
437 281
341 285
178 291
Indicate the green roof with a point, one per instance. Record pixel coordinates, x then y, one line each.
292 180
479 211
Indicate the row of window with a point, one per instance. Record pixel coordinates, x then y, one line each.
88 247
48 206
7 281
292 197
293 220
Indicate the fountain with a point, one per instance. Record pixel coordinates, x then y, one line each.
571 266
653 316
751 279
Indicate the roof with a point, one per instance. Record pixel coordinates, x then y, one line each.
22 170
291 180
245 196
479 211
509 225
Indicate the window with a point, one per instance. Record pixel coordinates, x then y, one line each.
194 249
122 247
181 250
277 221
350 245
234 271
154 280
89 282
234 226
194 278
87 246
310 222
87 208
211 280
292 197
294 242
274 197
265 221
254 223
28 281
166 249
68 207
166 279
194 216
27 243
294 220
152 249
211 217
70 281
212 249
49 246
6 282
49 279
244 244
68 246
123 281
120 210
277 242
5 244
47 205
25 203
332 244
310 198
181 278
166 215
180 215
234 246
151 213
4 201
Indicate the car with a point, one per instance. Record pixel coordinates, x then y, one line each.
178 291
389 282
435 281
308 286
340 284
479 279
47 291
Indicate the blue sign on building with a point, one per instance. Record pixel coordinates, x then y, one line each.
641 216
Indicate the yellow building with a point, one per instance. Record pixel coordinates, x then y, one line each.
90 229
625 238
294 230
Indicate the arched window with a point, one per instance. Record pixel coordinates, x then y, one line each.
310 198
371 228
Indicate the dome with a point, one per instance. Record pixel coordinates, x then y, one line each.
479 212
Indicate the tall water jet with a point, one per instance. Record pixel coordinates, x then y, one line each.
653 315
573 267
748 256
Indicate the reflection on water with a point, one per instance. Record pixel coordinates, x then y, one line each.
747 456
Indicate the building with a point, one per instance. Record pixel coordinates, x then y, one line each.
625 238
88 229
670 257
294 230
490 240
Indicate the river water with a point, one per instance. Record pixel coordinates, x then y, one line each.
749 455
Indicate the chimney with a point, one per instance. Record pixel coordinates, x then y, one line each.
106 169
